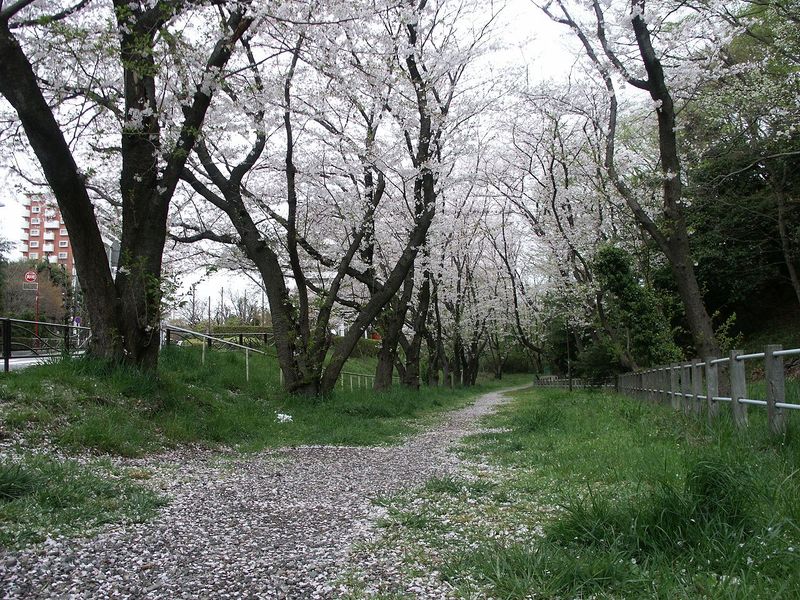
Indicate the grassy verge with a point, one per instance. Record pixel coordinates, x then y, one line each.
85 405
594 495
41 497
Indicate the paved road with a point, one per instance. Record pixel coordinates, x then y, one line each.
20 363
275 525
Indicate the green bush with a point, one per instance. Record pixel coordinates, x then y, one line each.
598 362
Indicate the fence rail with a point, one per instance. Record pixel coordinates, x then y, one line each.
175 335
356 380
551 381
23 339
180 334
702 386
251 339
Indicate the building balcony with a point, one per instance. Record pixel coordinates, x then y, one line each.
49 235
52 225
48 248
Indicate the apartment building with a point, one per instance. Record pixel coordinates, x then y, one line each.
44 235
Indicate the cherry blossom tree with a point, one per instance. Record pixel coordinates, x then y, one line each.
360 107
625 47
138 82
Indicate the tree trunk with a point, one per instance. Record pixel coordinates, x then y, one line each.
19 86
675 244
392 322
447 375
413 350
384 370
699 321
431 376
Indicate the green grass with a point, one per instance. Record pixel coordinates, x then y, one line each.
41 497
602 496
84 404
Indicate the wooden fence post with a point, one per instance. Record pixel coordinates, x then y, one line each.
667 386
712 389
697 386
738 389
686 387
776 389
653 385
674 386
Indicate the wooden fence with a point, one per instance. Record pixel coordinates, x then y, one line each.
572 383
699 387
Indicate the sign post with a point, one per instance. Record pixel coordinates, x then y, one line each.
31 278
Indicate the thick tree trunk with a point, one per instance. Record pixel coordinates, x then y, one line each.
18 84
413 349
384 370
699 321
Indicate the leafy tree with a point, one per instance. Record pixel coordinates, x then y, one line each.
633 313
608 45
744 146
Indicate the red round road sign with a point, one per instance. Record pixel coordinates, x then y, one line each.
30 276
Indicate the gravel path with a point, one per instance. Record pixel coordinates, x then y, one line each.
275 525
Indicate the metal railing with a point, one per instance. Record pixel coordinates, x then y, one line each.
551 381
358 381
252 339
173 333
702 386
23 339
